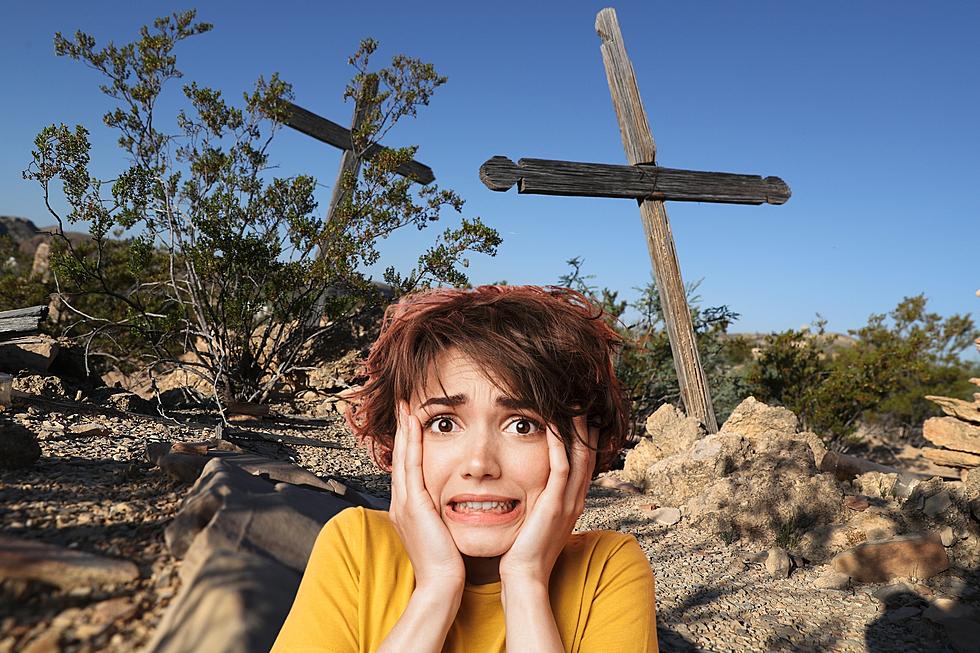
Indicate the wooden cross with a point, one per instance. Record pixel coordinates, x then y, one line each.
327 131
650 185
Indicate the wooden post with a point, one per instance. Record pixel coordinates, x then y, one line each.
634 127
350 160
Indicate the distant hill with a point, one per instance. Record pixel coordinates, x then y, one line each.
28 236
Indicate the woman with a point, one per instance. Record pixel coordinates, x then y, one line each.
493 408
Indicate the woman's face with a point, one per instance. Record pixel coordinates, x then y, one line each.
484 459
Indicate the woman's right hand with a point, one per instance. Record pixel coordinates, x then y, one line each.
436 561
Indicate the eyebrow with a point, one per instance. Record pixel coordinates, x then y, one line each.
459 399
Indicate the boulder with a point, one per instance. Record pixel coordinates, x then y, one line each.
64 568
754 490
34 353
234 602
952 433
669 432
876 484
919 556
752 418
18 446
875 524
960 408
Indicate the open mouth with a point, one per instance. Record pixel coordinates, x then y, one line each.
492 507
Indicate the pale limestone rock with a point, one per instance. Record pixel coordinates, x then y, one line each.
665 516
952 433
832 580
876 484
778 563
960 408
752 418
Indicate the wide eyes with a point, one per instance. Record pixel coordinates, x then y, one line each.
518 426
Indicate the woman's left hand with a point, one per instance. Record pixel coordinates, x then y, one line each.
546 529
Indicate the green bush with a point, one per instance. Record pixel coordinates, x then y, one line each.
880 374
212 254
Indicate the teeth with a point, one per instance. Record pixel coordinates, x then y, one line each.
484 506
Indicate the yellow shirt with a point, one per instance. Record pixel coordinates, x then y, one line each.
359 580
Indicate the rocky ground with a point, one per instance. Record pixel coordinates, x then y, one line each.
93 491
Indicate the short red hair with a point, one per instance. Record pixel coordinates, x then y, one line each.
547 346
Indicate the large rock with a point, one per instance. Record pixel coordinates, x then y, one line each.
755 490
245 542
952 433
18 446
919 556
752 418
951 458
233 603
33 353
231 509
960 408
669 432
64 568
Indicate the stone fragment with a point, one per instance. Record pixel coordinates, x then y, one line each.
778 563
665 516
907 612
951 458
50 387
752 418
947 537
960 408
832 580
937 504
856 503
59 566
876 484
960 623
952 433
130 402
920 556
18 446
105 615
87 430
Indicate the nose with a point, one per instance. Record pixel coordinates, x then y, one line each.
480 458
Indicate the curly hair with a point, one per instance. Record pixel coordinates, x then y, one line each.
548 347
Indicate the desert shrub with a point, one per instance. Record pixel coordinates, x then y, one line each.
881 373
646 365
214 256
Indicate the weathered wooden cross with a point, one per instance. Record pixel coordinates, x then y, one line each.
329 132
650 185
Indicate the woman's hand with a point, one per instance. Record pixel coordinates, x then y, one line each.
436 561
545 532
438 566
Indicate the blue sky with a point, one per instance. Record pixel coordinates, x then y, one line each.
868 110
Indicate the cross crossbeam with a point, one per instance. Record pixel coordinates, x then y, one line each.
327 131
571 178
